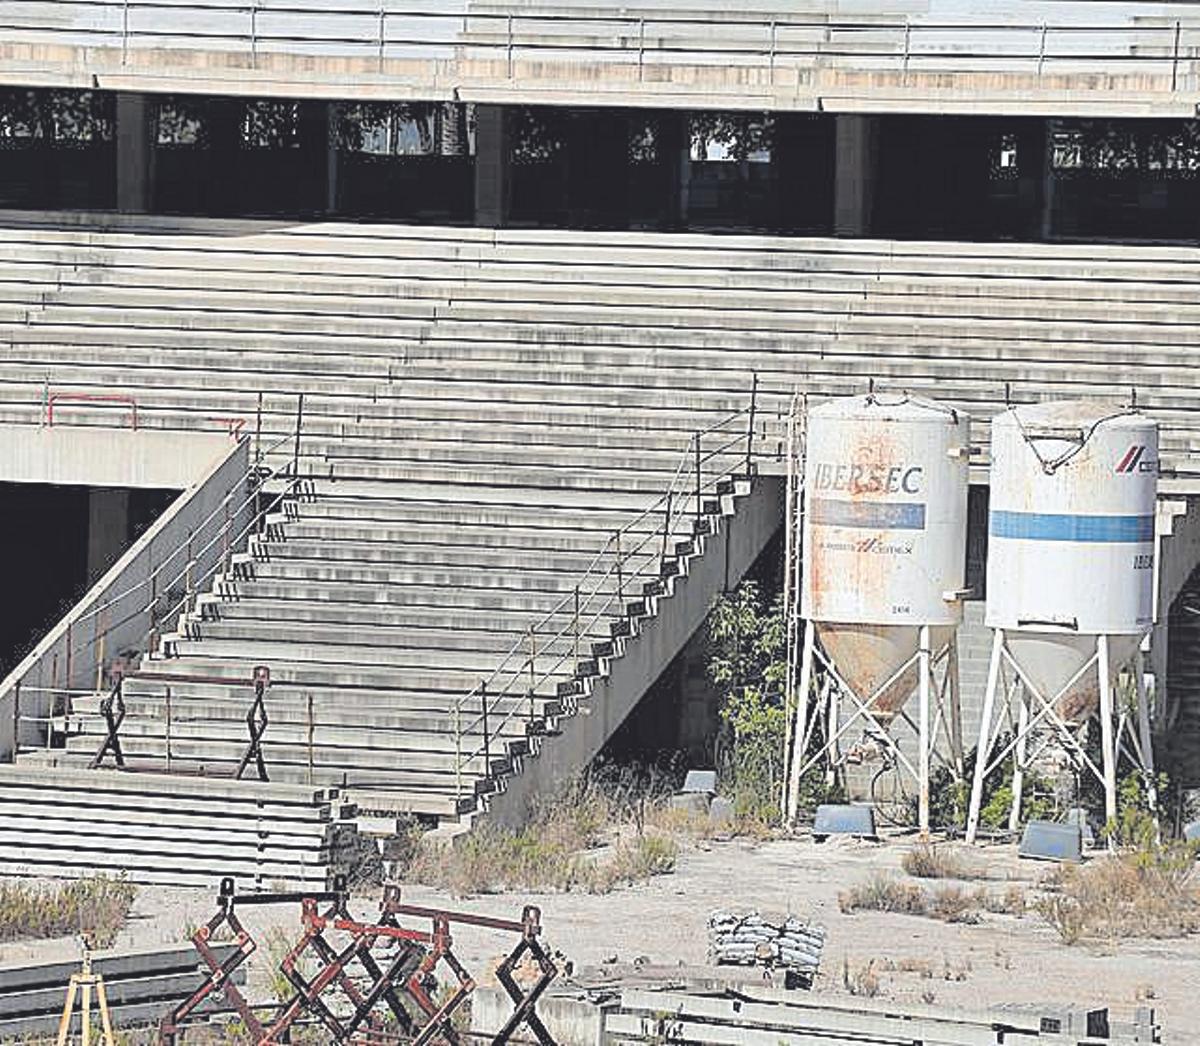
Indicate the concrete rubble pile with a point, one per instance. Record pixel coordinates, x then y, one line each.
749 939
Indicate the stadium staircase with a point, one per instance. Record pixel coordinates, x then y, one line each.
493 492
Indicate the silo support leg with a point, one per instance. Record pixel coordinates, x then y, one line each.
1018 781
800 733
951 688
984 749
1107 741
1145 738
925 668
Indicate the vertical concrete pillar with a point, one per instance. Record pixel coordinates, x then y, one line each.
856 170
108 529
222 186
137 127
331 158
493 165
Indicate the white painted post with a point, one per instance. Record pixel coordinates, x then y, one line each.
1145 737
925 668
1107 742
801 729
983 750
1018 781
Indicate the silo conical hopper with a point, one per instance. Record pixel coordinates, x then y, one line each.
1071 542
885 503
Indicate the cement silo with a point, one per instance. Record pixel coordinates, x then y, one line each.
884 551
1070 574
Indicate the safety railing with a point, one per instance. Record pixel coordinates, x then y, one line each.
142 597
633 560
1138 34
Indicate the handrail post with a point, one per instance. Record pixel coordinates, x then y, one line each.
532 673
457 752
577 626
167 753
16 719
258 431
620 575
311 728
299 423
699 494
666 525
750 427
487 741
1175 58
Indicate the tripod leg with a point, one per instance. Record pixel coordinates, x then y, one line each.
64 1025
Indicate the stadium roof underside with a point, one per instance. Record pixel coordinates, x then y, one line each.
1068 59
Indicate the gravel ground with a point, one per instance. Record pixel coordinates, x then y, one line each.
663 922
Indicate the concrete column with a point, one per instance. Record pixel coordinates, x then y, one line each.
108 529
493 166
331 159
136 133
856 170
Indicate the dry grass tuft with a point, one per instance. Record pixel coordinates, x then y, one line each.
883 893
95 908
587 840
860 980
950 902
953 904
928 861
1151 892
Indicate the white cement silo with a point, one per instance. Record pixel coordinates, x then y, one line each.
884 547
1070 590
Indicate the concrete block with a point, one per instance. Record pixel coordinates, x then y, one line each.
1191 832
696 803
720 811
1049 841
844 819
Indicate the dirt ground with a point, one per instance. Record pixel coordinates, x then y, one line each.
663 922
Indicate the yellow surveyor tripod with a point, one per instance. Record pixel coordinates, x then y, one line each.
82 984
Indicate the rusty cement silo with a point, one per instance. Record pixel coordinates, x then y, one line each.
884 557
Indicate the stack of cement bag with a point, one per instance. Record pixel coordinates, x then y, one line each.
749 939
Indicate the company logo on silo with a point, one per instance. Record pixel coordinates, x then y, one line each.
1135 460
868 478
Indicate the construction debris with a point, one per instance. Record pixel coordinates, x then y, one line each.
750 939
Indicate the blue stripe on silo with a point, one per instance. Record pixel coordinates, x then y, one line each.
1039 526
867 515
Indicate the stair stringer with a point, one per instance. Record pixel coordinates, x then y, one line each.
727 555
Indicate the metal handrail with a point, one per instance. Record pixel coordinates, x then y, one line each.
523 669
225 533
508 32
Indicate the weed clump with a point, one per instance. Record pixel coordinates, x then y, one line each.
927 861
96 908
588 839
882 893
1149 892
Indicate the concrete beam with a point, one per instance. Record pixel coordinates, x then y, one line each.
107 457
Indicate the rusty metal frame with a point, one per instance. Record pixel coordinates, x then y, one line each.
408 974
112 708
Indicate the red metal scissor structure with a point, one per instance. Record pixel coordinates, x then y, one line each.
391 981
